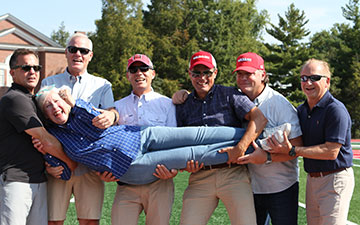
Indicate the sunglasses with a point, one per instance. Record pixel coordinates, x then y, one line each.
27 68
73 50
313 78
134 69
196 74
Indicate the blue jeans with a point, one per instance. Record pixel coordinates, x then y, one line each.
282 206
173 147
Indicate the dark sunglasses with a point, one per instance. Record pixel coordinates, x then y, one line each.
313 78
134 69
196 74
27 68
73 49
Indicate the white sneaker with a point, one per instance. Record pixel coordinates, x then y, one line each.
277 132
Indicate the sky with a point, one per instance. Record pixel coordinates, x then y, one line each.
80 15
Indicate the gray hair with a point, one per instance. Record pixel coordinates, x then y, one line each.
43 93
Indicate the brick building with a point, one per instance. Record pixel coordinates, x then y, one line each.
16 34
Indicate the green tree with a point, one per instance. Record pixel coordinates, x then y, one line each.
226 29
285 59
182 27
119 35
61 35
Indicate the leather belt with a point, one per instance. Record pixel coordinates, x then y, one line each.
323 174
218 166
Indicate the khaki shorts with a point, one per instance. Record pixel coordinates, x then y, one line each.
88 191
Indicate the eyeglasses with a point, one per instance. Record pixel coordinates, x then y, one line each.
313 78
134 69
196 74
27 68
83 51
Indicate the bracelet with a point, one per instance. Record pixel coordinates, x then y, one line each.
115 116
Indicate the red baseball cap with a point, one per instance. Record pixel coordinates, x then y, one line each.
140 58
203 58
249 62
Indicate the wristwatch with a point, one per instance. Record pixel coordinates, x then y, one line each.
268 158
292 151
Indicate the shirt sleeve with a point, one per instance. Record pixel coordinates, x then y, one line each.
171 116
107 98
242 104
337 124
21 113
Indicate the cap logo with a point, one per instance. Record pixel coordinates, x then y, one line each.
201 56
137 57
245 59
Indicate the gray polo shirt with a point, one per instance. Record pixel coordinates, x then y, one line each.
276 176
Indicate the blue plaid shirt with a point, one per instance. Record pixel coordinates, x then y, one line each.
222 106
112 149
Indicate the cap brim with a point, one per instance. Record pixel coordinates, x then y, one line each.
139 60
245 68
207 64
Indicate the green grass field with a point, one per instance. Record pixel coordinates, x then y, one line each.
219 217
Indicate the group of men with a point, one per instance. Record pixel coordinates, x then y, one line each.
252 186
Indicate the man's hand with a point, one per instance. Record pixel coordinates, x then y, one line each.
106 176
104 120
54 171
180 96
192 167
233 153
163 173
280 148
259 156
38 145
66 96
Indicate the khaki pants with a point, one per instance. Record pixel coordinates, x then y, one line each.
155 199
328 198
230 185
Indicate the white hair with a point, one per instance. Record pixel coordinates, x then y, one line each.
76 35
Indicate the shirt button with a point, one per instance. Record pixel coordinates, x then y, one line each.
91 144
309 116
81 138
114 149
204 102
204 114
102 145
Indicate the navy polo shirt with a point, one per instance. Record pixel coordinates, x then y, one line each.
328 121
222 106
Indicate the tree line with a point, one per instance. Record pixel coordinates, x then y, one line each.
169 32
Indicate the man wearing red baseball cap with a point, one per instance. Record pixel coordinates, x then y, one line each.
144 107
274 178
215 105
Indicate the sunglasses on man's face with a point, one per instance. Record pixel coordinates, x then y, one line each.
313 78
73 50
196 74
134 69
27 68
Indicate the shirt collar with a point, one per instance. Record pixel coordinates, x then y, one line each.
147 97
324 101
16 86
209 94
262 97
80 77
